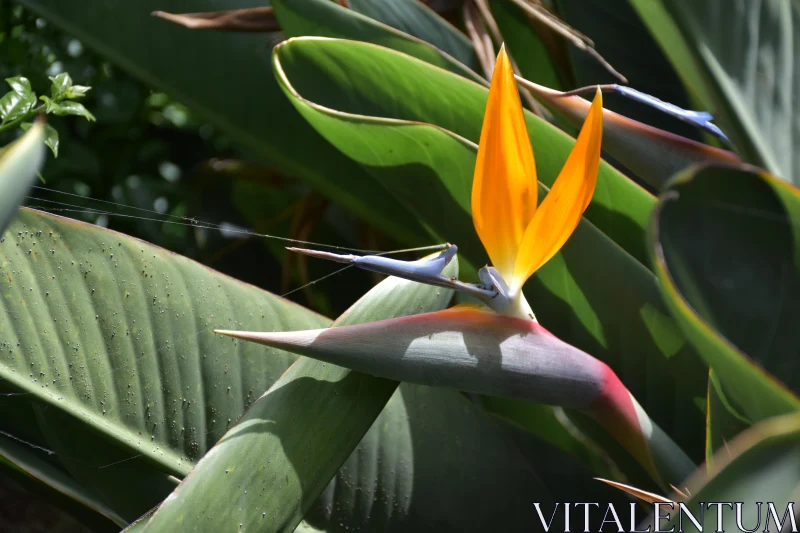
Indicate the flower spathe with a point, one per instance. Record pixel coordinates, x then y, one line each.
519 235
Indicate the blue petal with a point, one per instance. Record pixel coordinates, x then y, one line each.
701 119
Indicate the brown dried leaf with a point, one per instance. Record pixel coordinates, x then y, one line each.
249 20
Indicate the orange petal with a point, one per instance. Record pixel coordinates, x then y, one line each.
562 208
504 187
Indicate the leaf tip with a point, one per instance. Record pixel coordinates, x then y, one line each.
643 495
254 336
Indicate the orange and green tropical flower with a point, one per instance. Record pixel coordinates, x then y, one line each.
518 235
502 353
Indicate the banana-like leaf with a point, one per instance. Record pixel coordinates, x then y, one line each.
337 407
592 294
654 155
225 79
378 86
725 247
736 60
328 19
479 351
20 162
111 338
415 18
760 472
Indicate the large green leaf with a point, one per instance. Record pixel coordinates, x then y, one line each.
328 19
225 78
737 61
111 338
20 162
592 294
98 465
268 470
725 247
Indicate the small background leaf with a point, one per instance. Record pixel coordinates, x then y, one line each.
18 101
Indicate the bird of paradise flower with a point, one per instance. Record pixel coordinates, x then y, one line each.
500 349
